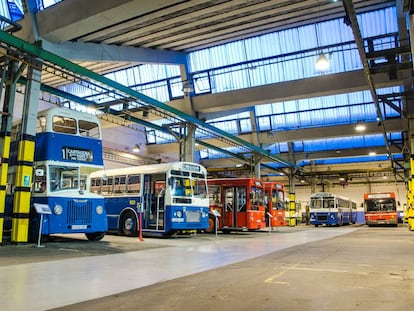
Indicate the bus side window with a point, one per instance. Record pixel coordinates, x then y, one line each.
119 184
39 179
133 184
96 185
107 185
41 124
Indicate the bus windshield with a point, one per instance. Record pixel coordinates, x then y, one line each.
65 178
200 188
319 203
180 187
380 205
257 196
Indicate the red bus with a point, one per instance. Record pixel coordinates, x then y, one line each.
275 203
380 208
239 203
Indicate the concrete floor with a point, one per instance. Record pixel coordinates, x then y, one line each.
302 268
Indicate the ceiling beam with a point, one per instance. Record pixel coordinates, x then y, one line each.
333 84
78 51
68 20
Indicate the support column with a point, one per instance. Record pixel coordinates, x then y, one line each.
292 195
25 158
187 139
189 144
255 166
9 77
292 199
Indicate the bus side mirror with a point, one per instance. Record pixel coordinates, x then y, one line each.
362 204
399 203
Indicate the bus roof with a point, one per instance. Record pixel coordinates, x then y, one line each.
152 169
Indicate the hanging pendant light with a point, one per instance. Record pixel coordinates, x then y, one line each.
322 63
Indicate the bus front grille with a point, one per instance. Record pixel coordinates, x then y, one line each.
79 212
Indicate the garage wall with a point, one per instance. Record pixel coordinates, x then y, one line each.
354 192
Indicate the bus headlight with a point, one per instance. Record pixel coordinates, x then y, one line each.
179 214
58 209
99 210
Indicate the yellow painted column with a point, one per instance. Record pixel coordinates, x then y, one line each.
21 202
4 166
9 78
292 210
410 203
25 157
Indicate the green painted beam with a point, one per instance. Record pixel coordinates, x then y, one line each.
232 154
38 52
88 103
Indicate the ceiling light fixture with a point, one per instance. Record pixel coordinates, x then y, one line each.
136 148
322 63
187 87
360 127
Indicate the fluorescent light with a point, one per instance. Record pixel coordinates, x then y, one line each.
360 127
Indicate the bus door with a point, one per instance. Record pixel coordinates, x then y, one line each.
147 201
154 210
235 207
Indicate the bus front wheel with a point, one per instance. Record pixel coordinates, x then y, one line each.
129 225
95 236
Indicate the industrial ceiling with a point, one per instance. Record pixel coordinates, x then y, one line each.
94 34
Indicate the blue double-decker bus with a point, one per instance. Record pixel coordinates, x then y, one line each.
68 148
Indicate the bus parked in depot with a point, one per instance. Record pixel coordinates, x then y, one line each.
380 208
330 209
170 198
68 147
274 199
238 204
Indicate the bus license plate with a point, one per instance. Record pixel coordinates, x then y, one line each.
193 216
79 227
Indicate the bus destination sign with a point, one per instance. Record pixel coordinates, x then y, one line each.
77 154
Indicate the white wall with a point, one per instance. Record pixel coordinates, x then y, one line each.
354 192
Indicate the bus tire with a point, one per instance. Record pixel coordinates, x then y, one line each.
129 224
95 236
211 224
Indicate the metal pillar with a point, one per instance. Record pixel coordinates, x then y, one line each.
9 78
25 158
